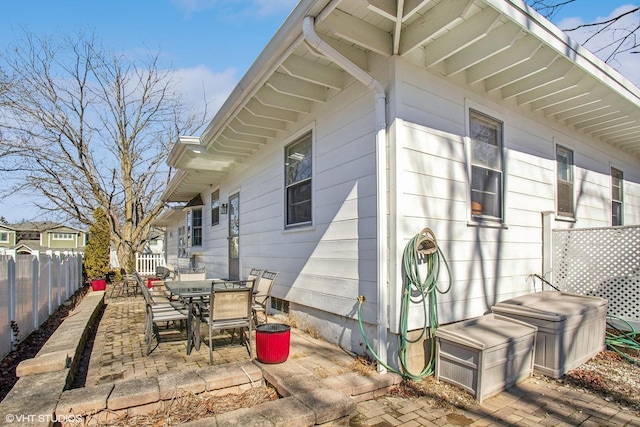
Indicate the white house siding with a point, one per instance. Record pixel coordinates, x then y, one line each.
171 241
488 264
326 266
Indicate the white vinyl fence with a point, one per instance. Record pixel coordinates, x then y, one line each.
146 263
31 289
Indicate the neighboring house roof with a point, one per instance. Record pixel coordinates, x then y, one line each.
33 228
41 226
503 49
30 245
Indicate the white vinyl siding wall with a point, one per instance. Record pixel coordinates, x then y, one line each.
489 263
328 264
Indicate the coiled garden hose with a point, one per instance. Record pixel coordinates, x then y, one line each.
420 252
623 340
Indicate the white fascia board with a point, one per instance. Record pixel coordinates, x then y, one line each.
179 148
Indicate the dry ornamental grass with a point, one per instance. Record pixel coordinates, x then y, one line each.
191 407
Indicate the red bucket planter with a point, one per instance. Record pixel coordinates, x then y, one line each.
273 342
99 284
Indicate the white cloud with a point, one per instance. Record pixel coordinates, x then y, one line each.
199 83
603 44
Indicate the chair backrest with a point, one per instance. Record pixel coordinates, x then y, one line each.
145 291
254 274
230 304
186 274
264 283
162 272
137 277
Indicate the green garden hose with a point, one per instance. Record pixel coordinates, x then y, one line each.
623 340
420 252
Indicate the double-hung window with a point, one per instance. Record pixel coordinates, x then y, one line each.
215 207
487 168
194 227
616 197
564 182
298 163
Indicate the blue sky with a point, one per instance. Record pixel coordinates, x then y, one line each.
211 43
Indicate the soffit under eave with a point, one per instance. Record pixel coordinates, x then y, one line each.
185 185
494 47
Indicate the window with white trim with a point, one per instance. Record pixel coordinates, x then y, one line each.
4 237
298 192
194 227
215 207
196 238
616 197
487 180
564 182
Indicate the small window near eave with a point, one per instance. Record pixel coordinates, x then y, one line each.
616 197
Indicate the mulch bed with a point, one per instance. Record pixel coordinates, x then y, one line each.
29 347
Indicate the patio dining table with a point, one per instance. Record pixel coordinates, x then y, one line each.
197 290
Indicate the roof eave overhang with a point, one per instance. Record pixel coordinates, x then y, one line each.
524 14
500 48
232 149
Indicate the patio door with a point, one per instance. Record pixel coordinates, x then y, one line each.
234 234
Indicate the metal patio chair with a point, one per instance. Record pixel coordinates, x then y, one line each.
262 296
159 310
228 308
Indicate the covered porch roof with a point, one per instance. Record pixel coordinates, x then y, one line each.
501 48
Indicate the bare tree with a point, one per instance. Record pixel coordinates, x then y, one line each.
620 31
88 128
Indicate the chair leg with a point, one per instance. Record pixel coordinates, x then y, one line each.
195 332
210 347
150 332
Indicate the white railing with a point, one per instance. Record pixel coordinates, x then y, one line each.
146 263
31 289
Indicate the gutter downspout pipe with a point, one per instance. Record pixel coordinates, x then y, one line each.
308 29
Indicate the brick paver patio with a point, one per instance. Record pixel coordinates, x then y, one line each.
118 354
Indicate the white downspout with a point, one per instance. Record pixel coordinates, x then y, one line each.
381 173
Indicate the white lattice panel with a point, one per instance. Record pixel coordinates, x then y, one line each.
603 262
